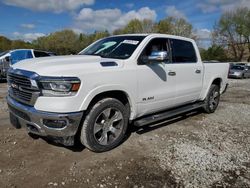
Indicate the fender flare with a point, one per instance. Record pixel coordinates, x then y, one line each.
109 88
209 85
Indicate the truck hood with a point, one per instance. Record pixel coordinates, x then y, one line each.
72 65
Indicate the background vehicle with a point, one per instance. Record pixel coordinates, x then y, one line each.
11 57
4 64
239 71
139 78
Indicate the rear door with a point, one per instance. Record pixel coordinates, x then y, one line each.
188 71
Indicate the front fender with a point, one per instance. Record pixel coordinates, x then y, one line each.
106 88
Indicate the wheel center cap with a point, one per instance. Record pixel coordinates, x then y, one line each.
107 125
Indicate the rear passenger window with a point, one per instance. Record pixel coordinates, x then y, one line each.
183 51
40 54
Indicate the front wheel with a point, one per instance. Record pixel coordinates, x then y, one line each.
105 125
212 100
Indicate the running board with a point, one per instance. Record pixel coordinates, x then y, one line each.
166 114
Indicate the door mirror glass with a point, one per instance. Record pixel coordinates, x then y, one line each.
158 56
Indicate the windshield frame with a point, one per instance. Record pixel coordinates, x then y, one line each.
138 38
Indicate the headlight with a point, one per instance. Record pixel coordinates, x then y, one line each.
61 86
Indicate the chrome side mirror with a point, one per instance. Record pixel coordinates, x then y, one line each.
158 56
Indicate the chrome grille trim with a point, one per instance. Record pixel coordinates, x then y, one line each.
20 86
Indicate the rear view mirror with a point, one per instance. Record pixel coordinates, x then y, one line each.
158 56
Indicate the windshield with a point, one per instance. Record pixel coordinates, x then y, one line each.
238 67
20 55
119 47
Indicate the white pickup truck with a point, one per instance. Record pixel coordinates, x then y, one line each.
119 81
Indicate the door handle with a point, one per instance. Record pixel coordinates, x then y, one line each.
198 71
171 73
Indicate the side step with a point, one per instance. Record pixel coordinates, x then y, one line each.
166 114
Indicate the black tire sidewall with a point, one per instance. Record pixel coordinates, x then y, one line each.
89 122
207 101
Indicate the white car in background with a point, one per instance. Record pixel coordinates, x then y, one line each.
11 57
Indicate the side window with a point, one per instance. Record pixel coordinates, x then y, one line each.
157 44
183 51
40 54
20 55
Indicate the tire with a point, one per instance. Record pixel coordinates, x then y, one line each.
212 100
105 125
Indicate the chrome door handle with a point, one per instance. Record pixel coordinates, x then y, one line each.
198 71
171 73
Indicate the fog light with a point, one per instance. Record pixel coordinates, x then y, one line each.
55 123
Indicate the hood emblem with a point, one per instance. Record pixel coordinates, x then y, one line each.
14 86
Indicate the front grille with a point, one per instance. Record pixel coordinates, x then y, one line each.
18 84
21 89
23 95
19 113
19 79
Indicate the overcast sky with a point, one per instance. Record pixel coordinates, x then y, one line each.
29 19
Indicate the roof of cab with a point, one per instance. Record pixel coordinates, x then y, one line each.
157 35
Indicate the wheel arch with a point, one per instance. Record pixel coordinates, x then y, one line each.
217 81
118 94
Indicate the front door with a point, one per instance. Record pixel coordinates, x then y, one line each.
156 89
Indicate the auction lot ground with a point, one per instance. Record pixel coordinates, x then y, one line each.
198 150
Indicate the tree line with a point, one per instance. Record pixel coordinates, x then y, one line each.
230 36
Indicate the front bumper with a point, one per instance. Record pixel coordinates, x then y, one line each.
32 120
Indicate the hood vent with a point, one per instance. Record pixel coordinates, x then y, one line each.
109 64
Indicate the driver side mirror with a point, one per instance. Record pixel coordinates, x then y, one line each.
158 56
154 57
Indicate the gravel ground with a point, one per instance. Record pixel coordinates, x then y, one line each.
195 150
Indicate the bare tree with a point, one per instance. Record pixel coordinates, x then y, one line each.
233 32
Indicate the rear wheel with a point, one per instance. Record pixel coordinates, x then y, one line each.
213 98
105 125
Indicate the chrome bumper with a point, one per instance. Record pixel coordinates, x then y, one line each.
32 120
